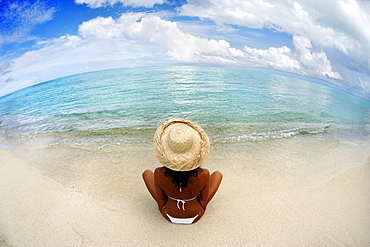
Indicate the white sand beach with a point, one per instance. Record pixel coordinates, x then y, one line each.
299 191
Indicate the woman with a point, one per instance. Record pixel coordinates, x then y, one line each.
181 188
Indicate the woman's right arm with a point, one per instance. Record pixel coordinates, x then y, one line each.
203 198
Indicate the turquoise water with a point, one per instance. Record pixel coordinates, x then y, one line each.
111 108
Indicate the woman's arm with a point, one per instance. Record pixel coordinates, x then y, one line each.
161 196
203 197
212 183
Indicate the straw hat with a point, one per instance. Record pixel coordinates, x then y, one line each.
180 145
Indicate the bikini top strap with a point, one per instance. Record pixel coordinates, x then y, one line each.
181 202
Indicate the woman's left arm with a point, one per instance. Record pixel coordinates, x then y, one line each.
162 198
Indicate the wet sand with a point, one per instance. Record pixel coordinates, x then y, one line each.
302 191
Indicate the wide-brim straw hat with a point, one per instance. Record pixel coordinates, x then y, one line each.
180 144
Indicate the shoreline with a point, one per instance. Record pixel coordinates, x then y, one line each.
298 191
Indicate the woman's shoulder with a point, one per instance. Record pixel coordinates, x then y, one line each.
203 172
159 170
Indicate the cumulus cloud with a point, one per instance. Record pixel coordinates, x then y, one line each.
158 35
316 27
18 18
276 58
148 38
107 43
67 55
314 63
133 3
327 24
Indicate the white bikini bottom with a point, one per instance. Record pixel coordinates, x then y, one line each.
182 220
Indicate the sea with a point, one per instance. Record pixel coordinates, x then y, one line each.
105 110
295 156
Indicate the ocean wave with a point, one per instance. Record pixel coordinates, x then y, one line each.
126 108
113 139
269 133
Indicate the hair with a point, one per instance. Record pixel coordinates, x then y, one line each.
181 178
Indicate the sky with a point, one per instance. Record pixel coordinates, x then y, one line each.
326 41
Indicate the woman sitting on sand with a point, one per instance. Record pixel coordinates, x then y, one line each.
181 188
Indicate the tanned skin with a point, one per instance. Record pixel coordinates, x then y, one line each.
204 187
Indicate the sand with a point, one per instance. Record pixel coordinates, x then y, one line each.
292 192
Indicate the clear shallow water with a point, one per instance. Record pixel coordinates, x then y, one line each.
108 109
285 143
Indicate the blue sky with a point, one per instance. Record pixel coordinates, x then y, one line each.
328 41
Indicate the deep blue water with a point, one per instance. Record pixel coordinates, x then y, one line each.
124 106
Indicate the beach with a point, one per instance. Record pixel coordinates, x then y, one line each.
300 191
294 155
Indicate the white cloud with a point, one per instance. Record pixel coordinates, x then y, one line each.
100 28
162 36
316 27
69 55
276 58
18 18
314 63
133 3
327 24
137 38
